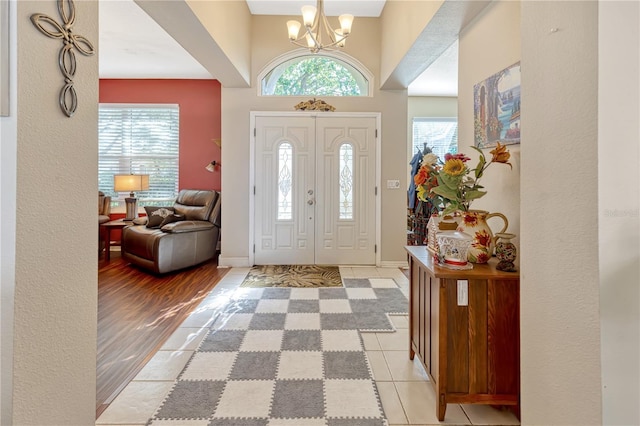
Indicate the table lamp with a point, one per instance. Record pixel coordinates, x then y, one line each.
131 183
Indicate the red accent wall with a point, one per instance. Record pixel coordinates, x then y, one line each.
200 119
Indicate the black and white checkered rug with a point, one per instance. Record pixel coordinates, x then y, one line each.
287 357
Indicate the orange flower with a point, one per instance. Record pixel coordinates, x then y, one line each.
454 185
500 154
421 176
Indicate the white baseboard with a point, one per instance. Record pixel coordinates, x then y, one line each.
394 264
233 262
243 262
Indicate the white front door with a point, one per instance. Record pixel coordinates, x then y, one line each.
284 175
315 190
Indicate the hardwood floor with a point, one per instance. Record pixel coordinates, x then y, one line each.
137 312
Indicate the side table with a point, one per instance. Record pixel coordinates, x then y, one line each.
106 232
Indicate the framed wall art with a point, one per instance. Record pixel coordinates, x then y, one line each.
496 108
4 58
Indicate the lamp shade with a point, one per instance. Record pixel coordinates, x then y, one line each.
294 29
308 15
346 21
130 183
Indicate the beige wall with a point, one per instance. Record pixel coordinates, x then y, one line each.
54 372
560 332
488 45
215 33
401 23
431 106
229 23
237 104
619 206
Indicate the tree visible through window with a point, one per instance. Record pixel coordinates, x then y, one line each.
139 139
315 75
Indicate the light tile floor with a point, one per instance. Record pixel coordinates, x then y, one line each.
405 392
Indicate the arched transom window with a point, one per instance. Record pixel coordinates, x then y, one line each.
313 75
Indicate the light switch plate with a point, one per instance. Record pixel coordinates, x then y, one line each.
393 184
463 293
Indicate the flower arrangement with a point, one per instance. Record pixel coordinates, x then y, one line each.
452 185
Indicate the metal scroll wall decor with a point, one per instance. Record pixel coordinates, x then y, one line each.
66 58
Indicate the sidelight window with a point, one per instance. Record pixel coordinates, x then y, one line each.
346 181
285 163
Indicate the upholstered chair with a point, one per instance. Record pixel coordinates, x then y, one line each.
104 210
176 237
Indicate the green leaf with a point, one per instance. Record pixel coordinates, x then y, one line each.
480 168
477 149
482 157
452 182
481 163
446 192
474 194
450 208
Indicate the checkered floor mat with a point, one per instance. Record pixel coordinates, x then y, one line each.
285 357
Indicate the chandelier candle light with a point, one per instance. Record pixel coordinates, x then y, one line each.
316 26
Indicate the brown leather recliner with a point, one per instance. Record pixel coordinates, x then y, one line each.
179 244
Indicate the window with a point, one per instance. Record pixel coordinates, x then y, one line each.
285 158
139 139
346 181
313 75
439 134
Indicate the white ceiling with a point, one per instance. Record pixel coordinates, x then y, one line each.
441 78
364 8
132 45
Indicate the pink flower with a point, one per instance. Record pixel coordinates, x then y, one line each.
460 157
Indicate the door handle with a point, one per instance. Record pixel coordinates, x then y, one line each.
310 201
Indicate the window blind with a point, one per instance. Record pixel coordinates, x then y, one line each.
439 134
139 139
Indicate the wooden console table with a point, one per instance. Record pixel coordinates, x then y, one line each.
468 341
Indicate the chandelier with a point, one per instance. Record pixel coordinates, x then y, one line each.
319 35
